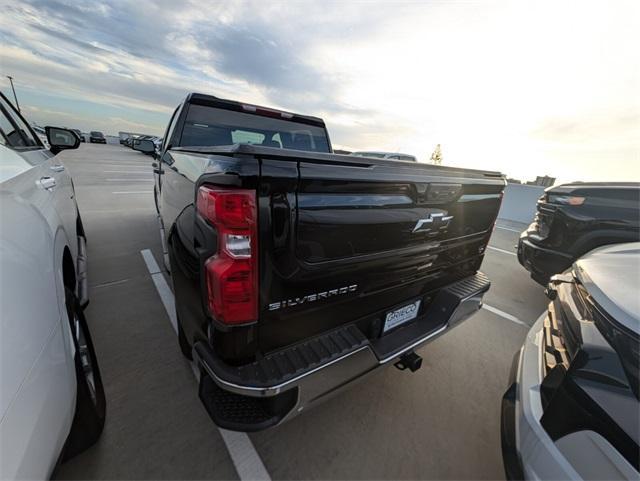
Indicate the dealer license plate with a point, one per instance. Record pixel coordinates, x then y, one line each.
401 315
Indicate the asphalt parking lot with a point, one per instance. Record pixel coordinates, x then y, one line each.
441 422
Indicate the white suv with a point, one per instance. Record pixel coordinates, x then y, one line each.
52 403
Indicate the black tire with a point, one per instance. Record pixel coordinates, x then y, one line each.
88 420
185 347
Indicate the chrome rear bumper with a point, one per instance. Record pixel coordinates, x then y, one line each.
306 373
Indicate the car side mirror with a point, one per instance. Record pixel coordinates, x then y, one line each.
61 139
144 146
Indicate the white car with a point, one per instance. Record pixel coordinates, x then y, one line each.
52 403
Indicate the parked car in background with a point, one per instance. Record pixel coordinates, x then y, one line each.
97 137
572 409
131 139
385 155
52 403
573 219
158 144
42 135
296 270
80 136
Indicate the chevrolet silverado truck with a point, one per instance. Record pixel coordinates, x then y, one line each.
573 219
297 271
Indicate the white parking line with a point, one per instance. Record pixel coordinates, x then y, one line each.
509 229
505 315
127 171
245 459
162 287
108 284
501 250
244 456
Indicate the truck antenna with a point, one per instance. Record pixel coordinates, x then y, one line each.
14 92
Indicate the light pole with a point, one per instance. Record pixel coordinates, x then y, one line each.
14 92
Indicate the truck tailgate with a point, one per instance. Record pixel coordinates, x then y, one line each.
344 241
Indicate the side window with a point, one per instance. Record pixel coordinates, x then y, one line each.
17 132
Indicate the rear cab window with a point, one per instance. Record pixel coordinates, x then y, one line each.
212 126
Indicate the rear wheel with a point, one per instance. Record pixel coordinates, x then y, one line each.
88 420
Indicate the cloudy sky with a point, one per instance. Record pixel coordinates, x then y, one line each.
525 88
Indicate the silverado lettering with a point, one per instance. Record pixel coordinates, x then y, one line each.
274 306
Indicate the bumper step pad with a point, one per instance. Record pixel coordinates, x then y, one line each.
469 286
234 411
281 366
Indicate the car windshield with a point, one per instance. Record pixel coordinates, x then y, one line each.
210 126
96 134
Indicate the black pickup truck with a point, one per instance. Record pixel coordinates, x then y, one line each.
573 219
296 270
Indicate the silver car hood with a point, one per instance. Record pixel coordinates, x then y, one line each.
611 275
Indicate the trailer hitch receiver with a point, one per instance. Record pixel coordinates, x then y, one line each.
410 361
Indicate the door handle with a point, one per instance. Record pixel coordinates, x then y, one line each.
46 183
57 168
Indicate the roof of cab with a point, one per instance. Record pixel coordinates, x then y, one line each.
204 99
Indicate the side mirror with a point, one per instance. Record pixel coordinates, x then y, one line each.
61 139
144 146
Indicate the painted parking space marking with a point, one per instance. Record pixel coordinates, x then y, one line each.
509 229
505 315
166 296
110 283
501 250
243 454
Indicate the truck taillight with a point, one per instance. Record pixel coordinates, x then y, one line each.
232 273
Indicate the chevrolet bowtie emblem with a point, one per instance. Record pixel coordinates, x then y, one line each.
433 223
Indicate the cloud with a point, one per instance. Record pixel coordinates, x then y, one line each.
482 79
